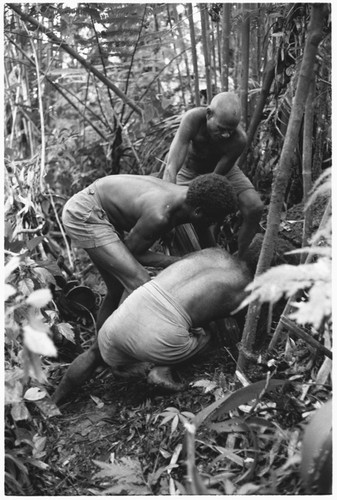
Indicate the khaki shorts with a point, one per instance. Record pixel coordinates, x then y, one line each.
85 221
150 325
235 176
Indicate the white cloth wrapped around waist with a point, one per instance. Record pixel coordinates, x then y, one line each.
149 326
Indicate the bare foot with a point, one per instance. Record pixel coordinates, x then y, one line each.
161 377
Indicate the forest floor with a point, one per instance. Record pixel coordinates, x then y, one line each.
120 422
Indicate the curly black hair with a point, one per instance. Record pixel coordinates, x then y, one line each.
214 194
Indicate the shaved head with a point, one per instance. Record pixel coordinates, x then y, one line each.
227 108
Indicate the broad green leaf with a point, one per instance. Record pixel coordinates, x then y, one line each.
19 412
34 394
237 398
66 330
9 290
13 391
43 275
26 286
39 298
38 342
11 266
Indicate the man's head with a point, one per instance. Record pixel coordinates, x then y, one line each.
223 115
212 197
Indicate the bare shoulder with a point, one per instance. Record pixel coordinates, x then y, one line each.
240 137
193 118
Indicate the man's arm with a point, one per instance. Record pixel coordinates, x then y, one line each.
187 130
79 371
251 208
143 235
235 147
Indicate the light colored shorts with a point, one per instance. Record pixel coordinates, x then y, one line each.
235 176
85 221
149 326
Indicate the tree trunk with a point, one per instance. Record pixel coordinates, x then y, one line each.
214 64
206 50
226 16
307 163
182 41
245 63
318 14
256 118
175 52
194 54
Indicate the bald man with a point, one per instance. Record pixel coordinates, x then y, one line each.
210 139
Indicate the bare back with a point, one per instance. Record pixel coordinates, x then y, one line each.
127 198
208 284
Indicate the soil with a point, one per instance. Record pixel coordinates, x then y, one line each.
112 419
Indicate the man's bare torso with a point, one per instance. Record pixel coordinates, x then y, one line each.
208 284
205 153
126 198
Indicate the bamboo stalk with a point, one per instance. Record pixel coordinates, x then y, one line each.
194 54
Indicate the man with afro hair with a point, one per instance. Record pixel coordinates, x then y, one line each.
118 218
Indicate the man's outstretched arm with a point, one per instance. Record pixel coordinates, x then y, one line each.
251 208
79 371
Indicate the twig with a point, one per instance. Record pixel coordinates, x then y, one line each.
62 230
39 92
302 334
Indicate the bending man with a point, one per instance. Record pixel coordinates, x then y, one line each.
145 208
210 139
162 321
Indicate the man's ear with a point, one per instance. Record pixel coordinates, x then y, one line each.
209 113
198 212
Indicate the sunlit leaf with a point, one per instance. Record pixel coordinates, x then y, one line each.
11 266
9 290
34 394
39 298
38 342
67 331
26 286
19 411
13 391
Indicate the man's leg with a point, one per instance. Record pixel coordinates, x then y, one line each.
162 376
120 270
79 371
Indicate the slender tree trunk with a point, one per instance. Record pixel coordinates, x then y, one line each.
307 163
156 50
175 52
256 118
194 54
218 48
182 41
214 65
245 63
318 15
207 55
226 15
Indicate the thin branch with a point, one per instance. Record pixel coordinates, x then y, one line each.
75 55
43 135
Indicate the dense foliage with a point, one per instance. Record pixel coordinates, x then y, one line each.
99 89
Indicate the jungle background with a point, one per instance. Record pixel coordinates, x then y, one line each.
97 89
